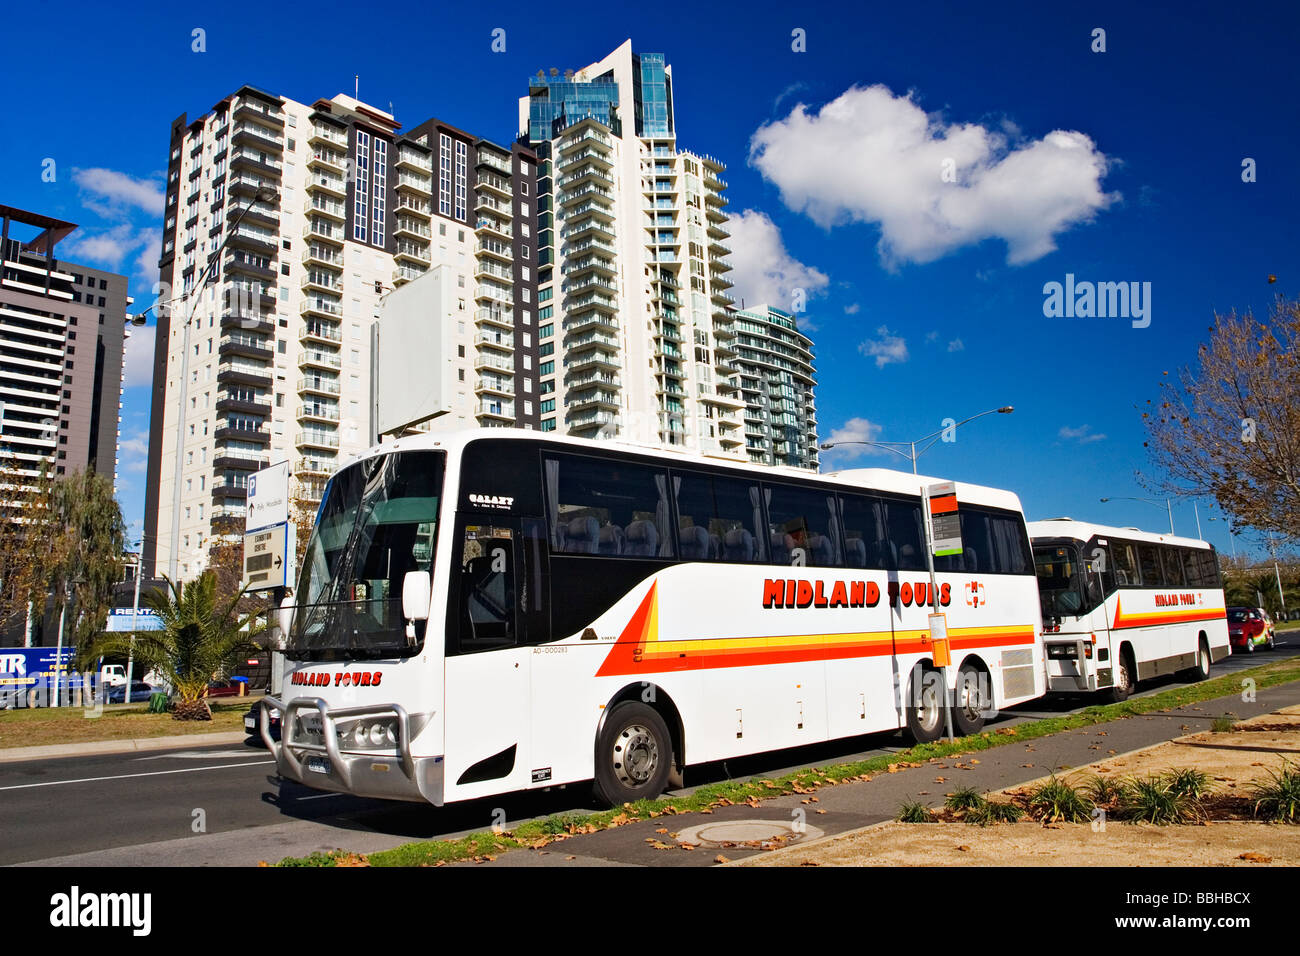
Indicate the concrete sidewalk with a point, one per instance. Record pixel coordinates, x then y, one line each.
739 831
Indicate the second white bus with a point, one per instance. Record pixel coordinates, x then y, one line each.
1122 605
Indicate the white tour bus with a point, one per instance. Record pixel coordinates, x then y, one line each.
499 610
1122 605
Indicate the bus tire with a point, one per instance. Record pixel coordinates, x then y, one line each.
634 754
971 704
1123 679
924 705
1201 669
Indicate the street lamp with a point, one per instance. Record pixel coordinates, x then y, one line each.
1151 501
264 194
1232 538
912 454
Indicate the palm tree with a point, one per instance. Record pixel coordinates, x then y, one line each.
199 640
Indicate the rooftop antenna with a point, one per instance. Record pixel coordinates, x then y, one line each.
356 88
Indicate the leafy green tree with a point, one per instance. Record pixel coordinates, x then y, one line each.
87 552
203 637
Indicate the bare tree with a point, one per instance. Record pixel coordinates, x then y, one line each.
1229 428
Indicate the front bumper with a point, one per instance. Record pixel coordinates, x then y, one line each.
324 766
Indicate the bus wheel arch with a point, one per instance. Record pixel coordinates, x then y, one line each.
1201 669
923 706
662 702
1124 678
966 723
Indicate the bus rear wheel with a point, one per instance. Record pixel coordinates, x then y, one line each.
1201 669
1123 677
634 755
924 705
973 701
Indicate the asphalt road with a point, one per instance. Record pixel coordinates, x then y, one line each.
223 805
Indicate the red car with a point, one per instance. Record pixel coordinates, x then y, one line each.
1248 628
224 688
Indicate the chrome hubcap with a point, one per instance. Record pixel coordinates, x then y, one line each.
635 755
968 700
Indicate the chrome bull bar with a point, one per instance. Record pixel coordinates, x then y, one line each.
289 753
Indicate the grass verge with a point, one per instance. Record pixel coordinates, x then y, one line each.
43 726
540 833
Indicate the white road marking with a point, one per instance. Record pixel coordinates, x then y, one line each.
201 755
128 776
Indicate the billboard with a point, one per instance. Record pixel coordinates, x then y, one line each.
411 378
121 620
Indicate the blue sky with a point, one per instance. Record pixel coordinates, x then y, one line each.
925 295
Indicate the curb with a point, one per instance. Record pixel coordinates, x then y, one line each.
16 754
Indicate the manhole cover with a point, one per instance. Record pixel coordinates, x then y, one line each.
755 833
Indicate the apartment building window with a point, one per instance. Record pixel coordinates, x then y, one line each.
444 179
462 167
548 424
381 185
362 190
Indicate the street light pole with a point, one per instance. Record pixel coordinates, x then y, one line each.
1151 501
264 193
912 454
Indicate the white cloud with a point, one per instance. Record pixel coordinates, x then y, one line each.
146 264
1083 434
856 430
853 309
871 156
763 272
107 248
888 348
956 345
932 336
139 357
121 189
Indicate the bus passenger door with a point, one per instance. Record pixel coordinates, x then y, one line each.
486 695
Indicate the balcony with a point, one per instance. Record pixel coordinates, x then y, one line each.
332 185
244 373
255 163
597 360
487 226
320 332
313 358
324 134
405 273
328 160
413 182
486 267
484 201
500 318
415 252
241 263
315 305
238 461
494 184
247 323
495 340
322 255
256 138
307 467
312 438
256 240
407 226
593 400
504 411
319 413
312 385
323 207
318 230
245 348
595 419
230 490
494 386
493 161
592 321
596 173
491 247
249 109
258 436
320 280
246 407
487 292
410 158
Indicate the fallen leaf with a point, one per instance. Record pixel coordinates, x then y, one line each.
687 846
940 780
1026 765
1256 858
821 811
570 857
720 859
974 761
752 800
963 848
662 830
810 863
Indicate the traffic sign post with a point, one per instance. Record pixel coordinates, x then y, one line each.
268 497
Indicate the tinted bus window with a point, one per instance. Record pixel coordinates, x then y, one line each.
719 518
907 545
1149 562
992 542
866 544
607 507
801 526
1209 565
1124 564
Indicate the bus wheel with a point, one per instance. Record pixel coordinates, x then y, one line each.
1201 670
634 755
1123 677
924 706
973 702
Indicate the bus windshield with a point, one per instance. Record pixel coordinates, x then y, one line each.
1065 587
376 522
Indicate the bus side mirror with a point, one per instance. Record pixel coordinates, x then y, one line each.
415 596
286 618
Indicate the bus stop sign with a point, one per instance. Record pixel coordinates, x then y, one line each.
945 535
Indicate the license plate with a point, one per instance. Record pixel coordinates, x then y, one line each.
318 764
250 724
